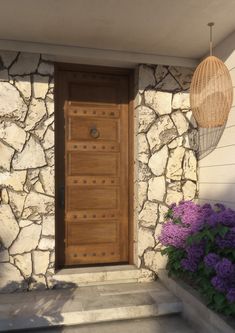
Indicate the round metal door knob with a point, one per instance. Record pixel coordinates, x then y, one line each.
94 133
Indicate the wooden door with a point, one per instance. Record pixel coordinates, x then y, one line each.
95 107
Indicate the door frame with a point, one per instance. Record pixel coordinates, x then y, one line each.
60 161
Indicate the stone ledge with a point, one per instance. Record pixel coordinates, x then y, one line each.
194 309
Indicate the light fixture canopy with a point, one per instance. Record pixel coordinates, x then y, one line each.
211 91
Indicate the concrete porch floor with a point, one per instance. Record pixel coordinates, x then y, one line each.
88 305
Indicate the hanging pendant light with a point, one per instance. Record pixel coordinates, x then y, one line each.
211 91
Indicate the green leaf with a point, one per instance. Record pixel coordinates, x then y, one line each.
219 299
210 235
169 214
223 230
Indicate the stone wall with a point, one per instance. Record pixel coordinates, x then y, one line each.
165 165
166 142
26 171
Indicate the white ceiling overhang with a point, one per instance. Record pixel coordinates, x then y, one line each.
131 31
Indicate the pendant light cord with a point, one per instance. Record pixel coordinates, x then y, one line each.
211 24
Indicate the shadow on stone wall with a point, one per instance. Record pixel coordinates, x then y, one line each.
177 80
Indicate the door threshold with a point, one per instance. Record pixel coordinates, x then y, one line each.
94 269
87 276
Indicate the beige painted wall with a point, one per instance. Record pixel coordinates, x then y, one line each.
217 170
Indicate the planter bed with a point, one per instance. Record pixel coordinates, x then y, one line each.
194 309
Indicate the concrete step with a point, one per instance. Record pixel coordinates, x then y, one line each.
86 305
91 276
165 324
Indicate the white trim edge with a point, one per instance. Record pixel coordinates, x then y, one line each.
89 55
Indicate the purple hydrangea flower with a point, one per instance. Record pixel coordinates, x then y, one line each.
187 218
225 268
213 220
173 205
227 217
174 234
228 242
220 206
189 265
231 295
206 206
219 284
192 215
211 260
195 251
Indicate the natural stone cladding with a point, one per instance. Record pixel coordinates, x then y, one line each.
26 171
166 166
166 144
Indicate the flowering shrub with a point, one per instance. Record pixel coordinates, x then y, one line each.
200 244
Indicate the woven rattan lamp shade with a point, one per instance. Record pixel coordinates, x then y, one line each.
211 93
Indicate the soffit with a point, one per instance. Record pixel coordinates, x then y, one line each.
174 28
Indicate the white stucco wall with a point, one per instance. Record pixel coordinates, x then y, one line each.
217 170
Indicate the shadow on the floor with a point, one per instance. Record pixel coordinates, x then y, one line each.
35 308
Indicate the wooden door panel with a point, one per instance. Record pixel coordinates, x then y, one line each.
92 197
93 254
92 233
94 93
93 164
96 145
79 129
